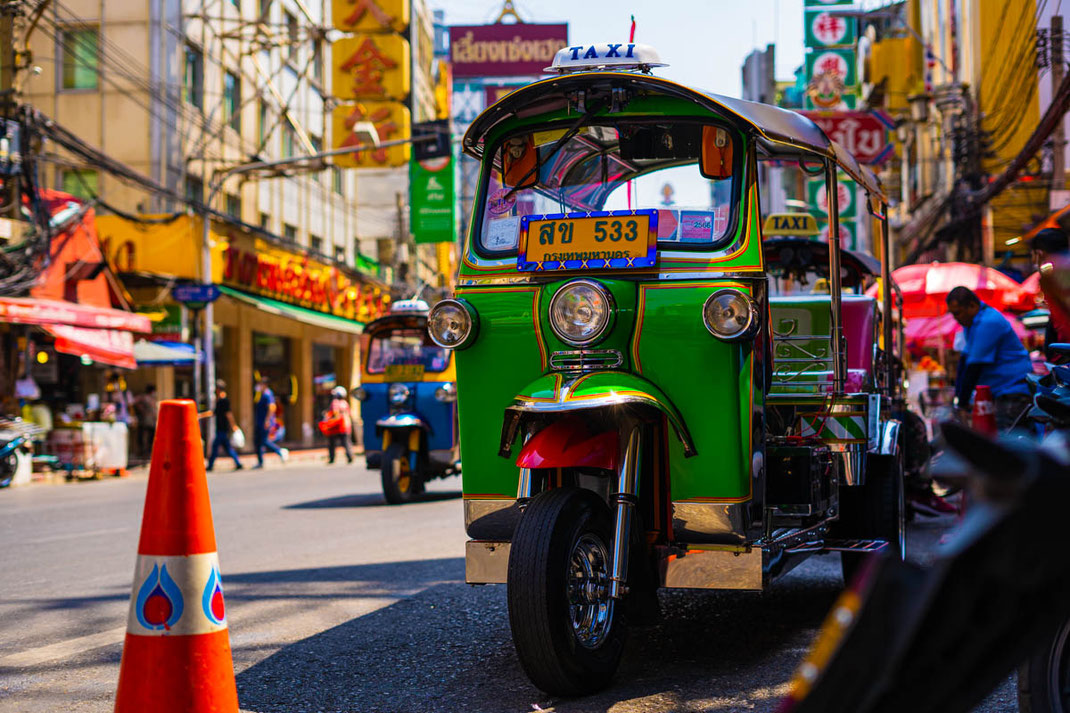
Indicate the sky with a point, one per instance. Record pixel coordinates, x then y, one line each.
704 42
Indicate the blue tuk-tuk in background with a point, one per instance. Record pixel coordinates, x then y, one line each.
408 398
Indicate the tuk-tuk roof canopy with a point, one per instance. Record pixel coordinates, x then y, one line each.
781 134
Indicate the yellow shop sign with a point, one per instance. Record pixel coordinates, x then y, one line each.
374 67
371 15
392 122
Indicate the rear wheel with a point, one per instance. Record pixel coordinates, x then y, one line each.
1044 678
568 632
874 510
400 482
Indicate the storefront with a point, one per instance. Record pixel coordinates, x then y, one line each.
282 314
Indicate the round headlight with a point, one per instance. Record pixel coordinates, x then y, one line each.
580 312
398 394
450 324
730 315
447 393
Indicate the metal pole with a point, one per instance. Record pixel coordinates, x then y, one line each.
886 300
832 193
1058 70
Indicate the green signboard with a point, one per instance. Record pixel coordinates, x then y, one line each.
848 233
843 103
839 62
818 203
431 200
829 29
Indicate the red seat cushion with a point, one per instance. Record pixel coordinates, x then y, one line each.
859 324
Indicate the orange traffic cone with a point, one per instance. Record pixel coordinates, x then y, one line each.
983 418
177 652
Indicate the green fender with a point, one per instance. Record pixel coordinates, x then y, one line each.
558 393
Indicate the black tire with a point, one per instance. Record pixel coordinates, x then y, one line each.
400 483
1044 678
559 657
875 510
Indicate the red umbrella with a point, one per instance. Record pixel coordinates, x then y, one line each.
925 287
934 331
1031 284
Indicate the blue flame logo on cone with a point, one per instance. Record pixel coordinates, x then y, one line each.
159 600
212 599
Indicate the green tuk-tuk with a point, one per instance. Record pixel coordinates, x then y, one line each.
637 408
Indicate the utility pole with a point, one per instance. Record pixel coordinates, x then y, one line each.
1058 69
9 9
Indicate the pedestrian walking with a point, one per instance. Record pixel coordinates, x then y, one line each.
266 420
146 409
340 432
993 356
1051 254
225 428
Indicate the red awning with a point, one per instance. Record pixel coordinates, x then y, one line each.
30 310
107 346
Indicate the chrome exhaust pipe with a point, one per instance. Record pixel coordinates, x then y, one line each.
625 499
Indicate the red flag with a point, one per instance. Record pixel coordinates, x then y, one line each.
631 34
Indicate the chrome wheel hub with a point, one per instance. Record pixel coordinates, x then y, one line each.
590 606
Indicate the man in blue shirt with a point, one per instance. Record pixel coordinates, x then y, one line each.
994 356
264 418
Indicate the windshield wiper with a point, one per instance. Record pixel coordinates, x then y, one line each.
569 135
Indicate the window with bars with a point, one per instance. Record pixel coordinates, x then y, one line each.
193 82
80 52
233 205
289 232
292 34
288 140
315 243
339 253
232 100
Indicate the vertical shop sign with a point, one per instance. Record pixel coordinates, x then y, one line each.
371 67
392 122
371 15
431 200
830 79
847 192
829 29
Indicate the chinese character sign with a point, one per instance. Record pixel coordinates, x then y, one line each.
370 15
371 67
392 122
846 191
827 29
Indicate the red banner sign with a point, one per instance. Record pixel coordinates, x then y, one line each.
863 133
504 50
29 310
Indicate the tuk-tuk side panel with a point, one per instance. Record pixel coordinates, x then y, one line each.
507 354
438 415
708 380
372 409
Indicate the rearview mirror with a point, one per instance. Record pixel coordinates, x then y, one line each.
716 160
519 162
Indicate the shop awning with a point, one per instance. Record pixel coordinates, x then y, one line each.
164 353
33 310
316 319
106 346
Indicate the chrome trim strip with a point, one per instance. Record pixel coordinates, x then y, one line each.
486 562
708 523
586 360
491 519
889 438
401 420
735 568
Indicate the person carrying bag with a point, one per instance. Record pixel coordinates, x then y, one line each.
336 424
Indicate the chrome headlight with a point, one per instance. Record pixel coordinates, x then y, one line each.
451 324
730 315
580 312
360 394
398 394
447 393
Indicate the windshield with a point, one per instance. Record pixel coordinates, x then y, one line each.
409 348
625 166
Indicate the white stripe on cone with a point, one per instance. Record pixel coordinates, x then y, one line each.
177 595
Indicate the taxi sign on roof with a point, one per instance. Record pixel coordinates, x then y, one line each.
408 306
790 224
619 55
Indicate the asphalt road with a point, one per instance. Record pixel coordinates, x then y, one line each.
337 602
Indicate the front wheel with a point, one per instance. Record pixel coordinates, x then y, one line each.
400 482
1044 678
567 631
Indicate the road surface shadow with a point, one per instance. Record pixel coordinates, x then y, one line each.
448 648
365 500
